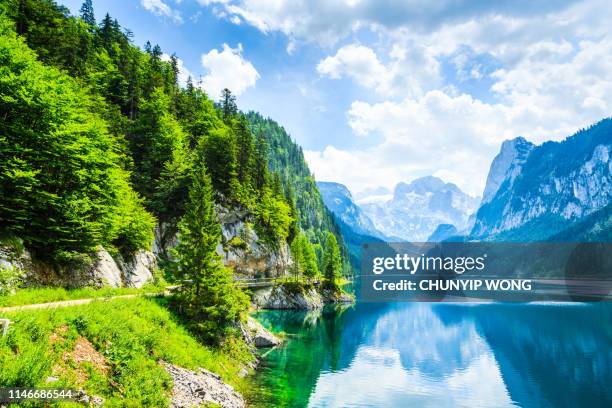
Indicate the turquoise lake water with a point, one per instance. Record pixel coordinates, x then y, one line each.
440 355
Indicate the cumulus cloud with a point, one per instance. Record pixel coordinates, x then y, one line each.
227 69
543 69
417 134
541 98
328 21
410 70
159 8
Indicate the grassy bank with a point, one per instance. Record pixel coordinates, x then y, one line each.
55 294
110 349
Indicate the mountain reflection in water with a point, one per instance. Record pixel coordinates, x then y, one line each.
440 355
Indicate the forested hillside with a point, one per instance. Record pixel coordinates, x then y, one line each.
99 142
286 159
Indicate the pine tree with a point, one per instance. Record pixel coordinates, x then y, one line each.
87 13
332 261
106 31
294 228
245 153
311 268
277 185
228 105
211 299
260 169
220 155
297 254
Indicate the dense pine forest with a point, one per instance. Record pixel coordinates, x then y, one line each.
99 143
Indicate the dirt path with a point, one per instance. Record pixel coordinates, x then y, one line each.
75 302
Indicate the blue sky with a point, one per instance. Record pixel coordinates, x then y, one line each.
382 91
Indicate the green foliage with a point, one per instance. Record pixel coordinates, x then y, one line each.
304 258
274 216
332 261
87 13
156 141
220 157
10 279
133 335
285 158
209 296
34 295
62 188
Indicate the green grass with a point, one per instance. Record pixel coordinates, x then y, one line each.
133 335
50 294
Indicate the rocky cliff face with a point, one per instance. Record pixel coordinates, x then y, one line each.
244 251
297 296
550 187
506 165
416 209
101 270
240 249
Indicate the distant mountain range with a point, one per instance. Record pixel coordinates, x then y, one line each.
557 191
416 209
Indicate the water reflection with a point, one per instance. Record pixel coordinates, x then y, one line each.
416 354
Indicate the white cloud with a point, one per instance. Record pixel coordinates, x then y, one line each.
326 22
545 67
410 71
227 69
417 134
540 99
159 8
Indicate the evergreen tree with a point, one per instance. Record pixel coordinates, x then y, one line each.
106 31
304 258
245 153
294 228
220 156
260 168
297 254
311 268
210 297
62 188
332 261
155 139
87 13
277 185
228 105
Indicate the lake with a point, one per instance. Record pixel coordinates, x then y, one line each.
440 355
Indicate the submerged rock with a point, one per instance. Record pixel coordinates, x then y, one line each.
194 389
257 335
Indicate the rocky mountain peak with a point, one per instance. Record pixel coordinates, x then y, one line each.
506 164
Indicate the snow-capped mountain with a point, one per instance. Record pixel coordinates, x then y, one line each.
547 188
339 201
416 209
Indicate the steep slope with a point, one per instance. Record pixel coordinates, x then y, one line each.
340 201
286 158
355 226
417 209
506 165
556 185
